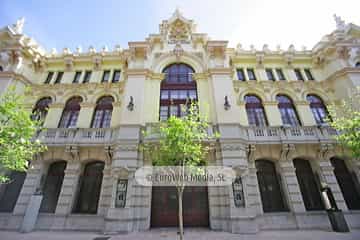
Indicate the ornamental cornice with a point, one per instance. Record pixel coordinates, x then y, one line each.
220 71
301 103
338 74
200 76
71 86
137 72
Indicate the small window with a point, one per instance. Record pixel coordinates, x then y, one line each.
298 74
59 77
116 76
240 74
106 76
270 74
77 77
87 77
251 74
280 74
308 74
49 77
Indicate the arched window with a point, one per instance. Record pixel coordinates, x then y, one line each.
287 111
41 109
90 187
10 191
318 108
270 190
177 89
308 186
71 112
52 186
347 183
102 114
255 111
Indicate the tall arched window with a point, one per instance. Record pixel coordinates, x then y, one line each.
102 114
71 112
308 187
287 111
177 89
52 186
10 191
318 108
90 187
41 109
270 189
255 111
346 181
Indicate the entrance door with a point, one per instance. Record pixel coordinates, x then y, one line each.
164 207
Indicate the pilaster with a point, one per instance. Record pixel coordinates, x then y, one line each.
273 114
305 114
54 114
85 115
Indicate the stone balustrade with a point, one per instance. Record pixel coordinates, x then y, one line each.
257 135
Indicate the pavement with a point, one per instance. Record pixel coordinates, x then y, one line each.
171 234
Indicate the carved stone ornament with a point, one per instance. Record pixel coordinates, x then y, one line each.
179 32
288 152
340 24
178 51
260 59
342 52
251 152
38 64
69 63
74 152
97 60
18 26
231 147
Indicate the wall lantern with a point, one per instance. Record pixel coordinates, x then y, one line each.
227 105
130 106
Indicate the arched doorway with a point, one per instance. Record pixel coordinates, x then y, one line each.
164 207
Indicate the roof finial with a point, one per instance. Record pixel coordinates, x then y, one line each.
19 25
340 24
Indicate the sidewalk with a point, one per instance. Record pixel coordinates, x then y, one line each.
170 234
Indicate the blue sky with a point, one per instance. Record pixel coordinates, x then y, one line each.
62 24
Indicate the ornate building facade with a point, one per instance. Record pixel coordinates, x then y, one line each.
269 107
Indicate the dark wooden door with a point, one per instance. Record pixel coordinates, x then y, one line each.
164 207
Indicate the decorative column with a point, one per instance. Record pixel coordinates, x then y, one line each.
273 114
327 176
291 185
54 114
305 114
85 115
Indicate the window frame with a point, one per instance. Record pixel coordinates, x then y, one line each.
252 72
309 74
114 74
288 108
59 77
298 74
49 77
280 74
240 70
106 76
87 76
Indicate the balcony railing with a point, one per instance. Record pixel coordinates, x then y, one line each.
259 135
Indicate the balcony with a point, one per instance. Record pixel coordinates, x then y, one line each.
252 135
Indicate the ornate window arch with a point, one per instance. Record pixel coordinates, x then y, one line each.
308 185
71 113
270 189
287 110
90 188
318 108
255 111
347 182
103 111
52 186
177 89
41 109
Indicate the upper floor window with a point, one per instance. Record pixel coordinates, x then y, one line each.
116 76
308 74
58 77
318 108
178 73
77 77
270 74
255 111
280 74
240 74
41 109
298 74
71 112
251 74
87 77
103 112
106 76
177 90
49 77
287 111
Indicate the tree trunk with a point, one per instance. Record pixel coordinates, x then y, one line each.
180 212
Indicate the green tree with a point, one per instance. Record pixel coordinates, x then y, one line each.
345 118
17 131
181 144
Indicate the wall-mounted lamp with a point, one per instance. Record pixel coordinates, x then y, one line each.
227 105
130 106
